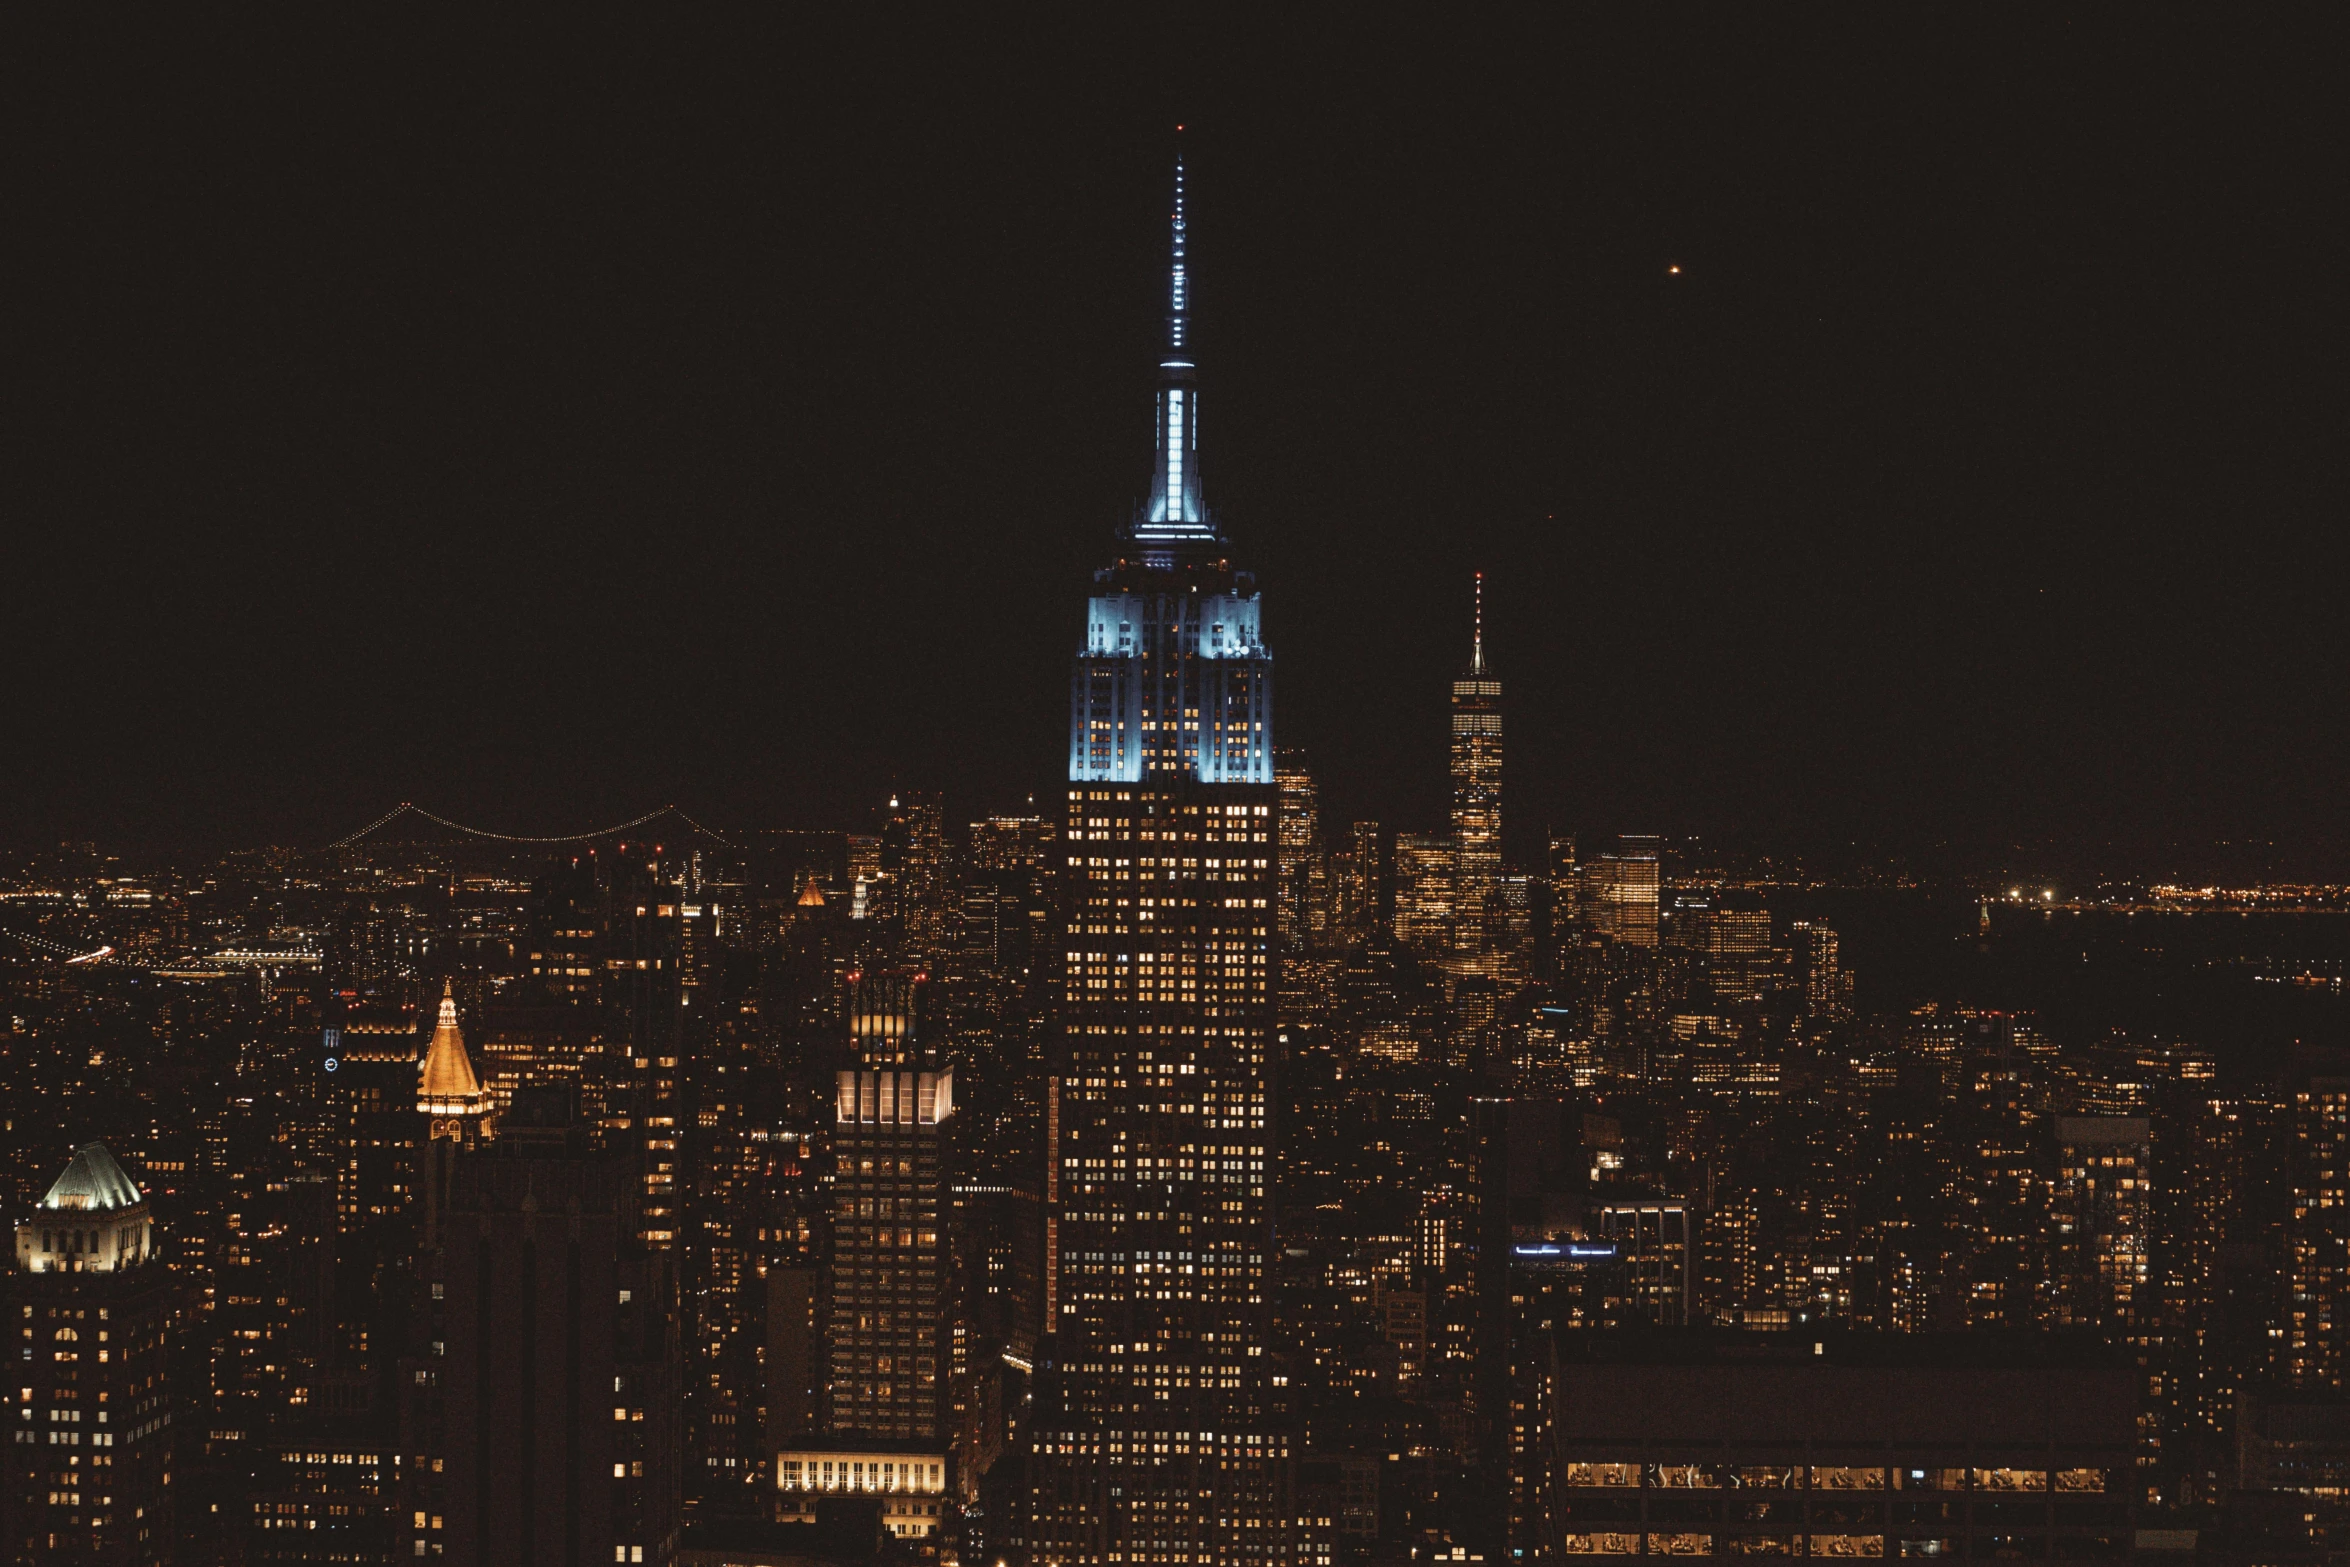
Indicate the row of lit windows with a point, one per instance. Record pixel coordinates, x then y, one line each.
1681 1544
1830 1477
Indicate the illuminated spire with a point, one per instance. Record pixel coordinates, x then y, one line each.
1477 656
446 1084
1177 512
1179 283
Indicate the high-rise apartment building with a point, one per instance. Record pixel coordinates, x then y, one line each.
1476 801
2316 1348
1153 1437
88 1463
2102 1214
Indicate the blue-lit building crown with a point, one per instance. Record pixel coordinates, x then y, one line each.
1174 676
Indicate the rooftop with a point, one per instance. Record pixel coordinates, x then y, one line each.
93 1183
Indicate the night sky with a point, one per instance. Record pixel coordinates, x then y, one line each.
547 424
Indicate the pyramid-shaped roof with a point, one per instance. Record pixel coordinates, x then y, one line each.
448 1071
93 1183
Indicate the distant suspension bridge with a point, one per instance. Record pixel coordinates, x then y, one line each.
407 808
68 955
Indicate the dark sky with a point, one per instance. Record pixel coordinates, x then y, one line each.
548 423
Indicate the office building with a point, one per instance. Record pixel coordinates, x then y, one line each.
1738 952
1716 1444
552 1431
323 1496
913 858
1006 917
1153 1438
1423 893
2316 1348
891 1308
1301 876
89 1456
1618 893
890 1317
1476 803
1825 983
1359 893
1656 1243
455 1109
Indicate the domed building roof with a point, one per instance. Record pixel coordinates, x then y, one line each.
93 1183
448 1083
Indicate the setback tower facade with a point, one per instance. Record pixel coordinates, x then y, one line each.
892 1309
1155 1439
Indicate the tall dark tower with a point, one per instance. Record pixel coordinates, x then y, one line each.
1155 1439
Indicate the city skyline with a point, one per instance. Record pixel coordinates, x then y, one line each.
1762 975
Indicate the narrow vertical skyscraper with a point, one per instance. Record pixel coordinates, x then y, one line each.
1154 1438
1476 802
892 1307
1298 862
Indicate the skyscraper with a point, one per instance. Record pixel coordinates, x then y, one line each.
1619 892
1154 1438
2315 1352
455 1108
1300 851
913 849
1362 884
1423 892
891 1307
88 1471
551 1312
1476 801
1827 986
1738 950
891 1304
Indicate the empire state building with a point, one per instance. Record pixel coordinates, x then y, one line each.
1154 1439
